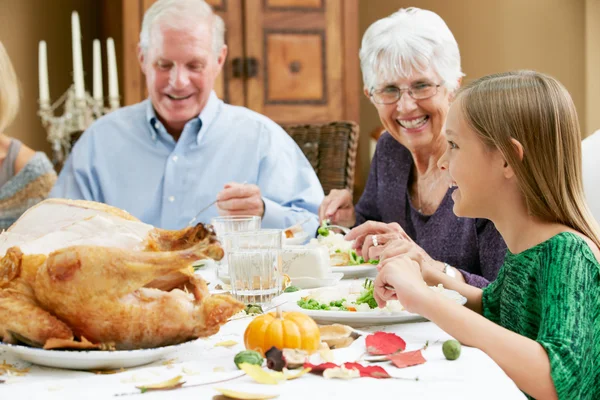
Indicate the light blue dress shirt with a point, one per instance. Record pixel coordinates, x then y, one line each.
128 160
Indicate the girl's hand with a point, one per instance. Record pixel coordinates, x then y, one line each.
404 276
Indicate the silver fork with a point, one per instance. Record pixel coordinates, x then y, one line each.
341 228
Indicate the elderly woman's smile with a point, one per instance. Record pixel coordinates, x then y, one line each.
414 123
414 108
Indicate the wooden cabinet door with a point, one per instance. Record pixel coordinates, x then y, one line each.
227 87
298 49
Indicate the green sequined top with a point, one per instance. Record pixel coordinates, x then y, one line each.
551 293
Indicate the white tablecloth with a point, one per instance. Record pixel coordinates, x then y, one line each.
473 376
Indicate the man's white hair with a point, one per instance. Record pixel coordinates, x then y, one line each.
408 41
181 13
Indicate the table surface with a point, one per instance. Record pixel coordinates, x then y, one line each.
473 376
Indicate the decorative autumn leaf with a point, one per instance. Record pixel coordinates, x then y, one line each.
326 353
384 343
172 383
296 374
106 371
226 343
320 367
12 370
270 377
371 371
408 359
190 371
341 373
367 372
234 394
169 363
260 375
275 359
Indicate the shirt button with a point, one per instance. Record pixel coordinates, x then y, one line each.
156 125
175 158
171 198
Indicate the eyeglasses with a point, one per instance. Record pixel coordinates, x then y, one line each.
391 94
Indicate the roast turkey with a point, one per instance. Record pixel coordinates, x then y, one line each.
79 274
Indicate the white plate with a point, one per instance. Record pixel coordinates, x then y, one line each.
354 319
307 282
90 359
356 271
301 238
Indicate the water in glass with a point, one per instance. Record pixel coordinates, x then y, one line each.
255 269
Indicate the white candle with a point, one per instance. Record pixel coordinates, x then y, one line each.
43 75
113 80
98 92
77 59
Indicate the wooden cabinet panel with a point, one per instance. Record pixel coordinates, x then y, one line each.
299 77
133 80
294 3
228 87
294 69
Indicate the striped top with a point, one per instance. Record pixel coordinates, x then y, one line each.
7 169
28 187
551 293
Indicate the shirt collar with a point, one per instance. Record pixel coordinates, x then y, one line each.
207 115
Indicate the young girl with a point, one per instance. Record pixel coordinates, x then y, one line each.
514 156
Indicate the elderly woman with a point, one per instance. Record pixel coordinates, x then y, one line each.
26 177
411 70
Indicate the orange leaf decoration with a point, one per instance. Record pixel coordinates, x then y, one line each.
384 343
408 359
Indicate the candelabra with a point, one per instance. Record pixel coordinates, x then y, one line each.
77 115
79 108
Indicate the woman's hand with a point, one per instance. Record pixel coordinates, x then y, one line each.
404 276
337 207
363 236
408 248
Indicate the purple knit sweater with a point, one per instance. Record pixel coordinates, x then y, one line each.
472 245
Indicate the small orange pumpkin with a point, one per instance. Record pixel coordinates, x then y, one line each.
287 330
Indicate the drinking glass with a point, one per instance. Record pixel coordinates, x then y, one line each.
235 223
254 260
228 224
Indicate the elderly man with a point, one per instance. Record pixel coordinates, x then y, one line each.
167 157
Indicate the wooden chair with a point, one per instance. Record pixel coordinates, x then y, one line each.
331 150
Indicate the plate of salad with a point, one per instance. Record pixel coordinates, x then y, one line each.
342 257
353 304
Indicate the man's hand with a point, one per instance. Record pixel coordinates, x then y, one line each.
337 207
240 199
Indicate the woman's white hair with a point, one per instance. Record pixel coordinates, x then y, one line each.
178 13
408 41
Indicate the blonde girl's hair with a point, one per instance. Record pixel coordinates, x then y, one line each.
9 90
538 112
